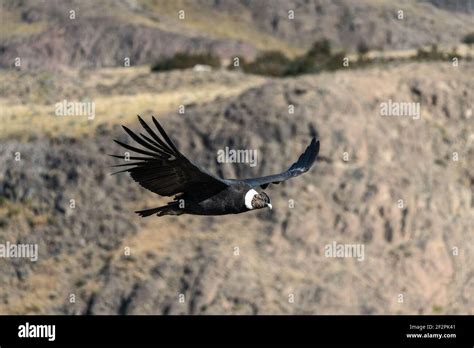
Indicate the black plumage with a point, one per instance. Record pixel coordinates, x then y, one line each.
162 169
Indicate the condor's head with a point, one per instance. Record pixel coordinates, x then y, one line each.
257 200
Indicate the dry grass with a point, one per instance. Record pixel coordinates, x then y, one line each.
12 26
26 115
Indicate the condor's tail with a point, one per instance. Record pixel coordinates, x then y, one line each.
171 208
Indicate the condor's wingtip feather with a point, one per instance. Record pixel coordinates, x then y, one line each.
166 147
134 149
164 135
307 158
144 142
316 145
313 150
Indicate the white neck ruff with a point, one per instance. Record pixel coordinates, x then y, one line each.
248 198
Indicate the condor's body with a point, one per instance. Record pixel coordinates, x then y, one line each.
227 201
166 172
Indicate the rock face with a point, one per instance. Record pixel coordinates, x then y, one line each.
105 33
347 23
391 184
107 42
466 6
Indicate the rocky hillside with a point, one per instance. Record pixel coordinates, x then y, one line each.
48 34
464 6
268 262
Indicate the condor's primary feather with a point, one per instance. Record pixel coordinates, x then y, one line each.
161 168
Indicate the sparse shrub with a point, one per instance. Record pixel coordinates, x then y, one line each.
320 48
468 39
432 54
421 53
272 63
184 60
335 62
362 48
301 65
318 58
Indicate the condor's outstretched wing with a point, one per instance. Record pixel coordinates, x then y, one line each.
163 169
302 165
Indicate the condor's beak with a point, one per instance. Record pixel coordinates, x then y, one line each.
270 206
